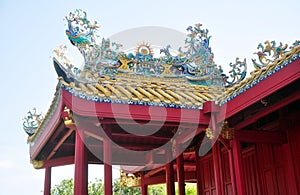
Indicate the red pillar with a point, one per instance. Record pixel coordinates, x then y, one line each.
232 174
170 178
180 175
107 152
144 187
47 184
217 169
81 167
238 167
198 169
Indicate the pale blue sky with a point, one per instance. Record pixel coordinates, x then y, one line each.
30 30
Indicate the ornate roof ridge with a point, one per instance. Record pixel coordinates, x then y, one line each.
261 72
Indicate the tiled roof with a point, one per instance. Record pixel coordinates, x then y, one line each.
138 90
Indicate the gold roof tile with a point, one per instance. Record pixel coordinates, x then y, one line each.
127 93
187 97
135 92
177 96
202 96
165 95
194 96
114 90
104 90
156 94
143 91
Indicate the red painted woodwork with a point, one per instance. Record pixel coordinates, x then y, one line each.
293 128
170 181
239 178
208 186
144 187
133 112
229 187
81 167
180 174
216 167
290 99
252 136
251 171
47 183
47 132
107 167
198 170
59 161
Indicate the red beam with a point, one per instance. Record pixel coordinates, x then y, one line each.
155 171
161 178
251 136
267 110
133 112
47 183
59 161
81 167
60 142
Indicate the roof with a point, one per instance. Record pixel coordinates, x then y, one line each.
118 80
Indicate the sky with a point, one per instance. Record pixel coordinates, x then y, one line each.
31 30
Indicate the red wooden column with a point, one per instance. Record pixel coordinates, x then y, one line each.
47 184
107 157
238 167
198 169
81 167
170 178
232 172
180 175
217 169
144 187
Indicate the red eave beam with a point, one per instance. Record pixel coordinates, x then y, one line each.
269 109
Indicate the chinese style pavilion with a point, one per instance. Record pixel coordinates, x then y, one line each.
172 118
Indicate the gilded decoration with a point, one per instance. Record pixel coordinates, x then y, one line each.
129 179
37 164
68 117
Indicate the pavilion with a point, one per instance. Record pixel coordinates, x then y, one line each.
173 118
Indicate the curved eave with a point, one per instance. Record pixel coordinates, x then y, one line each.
47 127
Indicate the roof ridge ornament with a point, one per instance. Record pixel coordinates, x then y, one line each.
194 61
32 121
269 52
